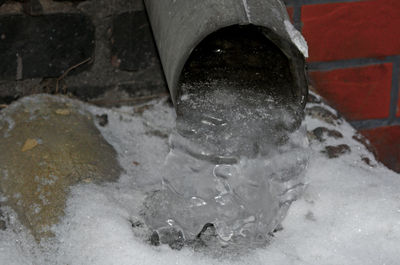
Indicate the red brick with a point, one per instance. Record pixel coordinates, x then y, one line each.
290 11
357 93
386 141
352 30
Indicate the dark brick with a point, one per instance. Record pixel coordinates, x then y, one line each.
133 46
339 31
87 92
357 93
33 7
139 89
44 46
386 141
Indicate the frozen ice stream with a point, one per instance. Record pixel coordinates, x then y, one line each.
349 212
234 164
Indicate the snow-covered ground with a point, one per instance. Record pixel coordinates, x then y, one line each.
349 213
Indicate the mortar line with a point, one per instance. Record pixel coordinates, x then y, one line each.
297 17
394 93
350 63
372 124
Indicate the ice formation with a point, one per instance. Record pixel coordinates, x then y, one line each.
234 163
349 213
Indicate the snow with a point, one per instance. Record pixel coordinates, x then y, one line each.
247 9
297 38
349 213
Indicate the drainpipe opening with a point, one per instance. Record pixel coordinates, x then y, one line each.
249 67
241 54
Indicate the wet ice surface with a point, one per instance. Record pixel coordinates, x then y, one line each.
348 214
234 163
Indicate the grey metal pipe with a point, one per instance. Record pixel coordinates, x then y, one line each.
180 25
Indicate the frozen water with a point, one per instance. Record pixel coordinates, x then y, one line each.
234 163
349 213
297 38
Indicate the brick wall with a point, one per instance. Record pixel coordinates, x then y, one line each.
354 64
98 50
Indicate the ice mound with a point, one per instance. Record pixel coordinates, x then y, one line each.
234 162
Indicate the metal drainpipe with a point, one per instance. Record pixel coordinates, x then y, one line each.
180 25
